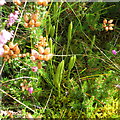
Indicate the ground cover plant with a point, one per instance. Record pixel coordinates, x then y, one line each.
59 60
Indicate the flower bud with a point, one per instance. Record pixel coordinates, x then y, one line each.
39 65
40 57
26 18
105 21
110 28
41 50
17 50
26 25
110 21
18 2
34 17
114 52
106 28
47 51
111 25
6 47
37 24
48 57
32 58
11 45
31 22
11 52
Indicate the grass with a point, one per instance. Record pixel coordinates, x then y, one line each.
79 81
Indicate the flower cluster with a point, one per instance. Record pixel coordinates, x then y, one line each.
108 24
12 18
10 51
4 37
43 52
2 2
43 2
31 20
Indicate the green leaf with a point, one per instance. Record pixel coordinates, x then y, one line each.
72 62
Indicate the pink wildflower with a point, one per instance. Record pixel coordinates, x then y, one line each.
30 90
12 18
1 50
2 2
5 36
114 52
34 69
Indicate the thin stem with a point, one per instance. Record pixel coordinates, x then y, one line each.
48 100
25 77
17 100
2 68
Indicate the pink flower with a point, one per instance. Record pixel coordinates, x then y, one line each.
5 36
12 18
30 90
114 52
2 2
1 50
34 69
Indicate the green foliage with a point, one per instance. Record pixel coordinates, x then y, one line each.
79 81
58 76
